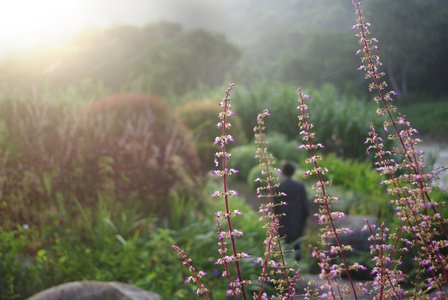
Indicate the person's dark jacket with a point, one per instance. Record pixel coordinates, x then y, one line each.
293 223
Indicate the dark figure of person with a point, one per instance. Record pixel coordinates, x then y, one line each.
293 222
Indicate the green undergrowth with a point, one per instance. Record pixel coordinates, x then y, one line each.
126 247
429 117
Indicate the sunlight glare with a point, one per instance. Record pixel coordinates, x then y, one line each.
27 23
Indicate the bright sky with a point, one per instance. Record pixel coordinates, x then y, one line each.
27 23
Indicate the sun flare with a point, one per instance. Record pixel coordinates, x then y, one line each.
27 23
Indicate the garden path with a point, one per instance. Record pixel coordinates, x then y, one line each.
436 150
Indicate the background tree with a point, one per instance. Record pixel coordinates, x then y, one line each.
183 62
325 56
159 57
415 39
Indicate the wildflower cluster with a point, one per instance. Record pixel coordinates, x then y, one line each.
422 226
236 282
237 285
196 277
273 263
274 254
329 271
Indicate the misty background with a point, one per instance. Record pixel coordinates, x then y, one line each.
169 48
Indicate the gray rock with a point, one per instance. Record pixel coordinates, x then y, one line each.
358 239
95 290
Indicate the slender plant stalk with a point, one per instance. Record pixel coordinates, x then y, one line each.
224 139
273 241
324 200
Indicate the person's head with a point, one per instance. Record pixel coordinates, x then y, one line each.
288 169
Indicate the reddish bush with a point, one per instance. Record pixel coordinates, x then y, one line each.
134 146
34 145
128 148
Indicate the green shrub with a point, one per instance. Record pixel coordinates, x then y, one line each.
282 148
16 279
253 175
357 184
339 116
135 260
242 160
254 99
428 117
351 174
199 117
120 246
342 123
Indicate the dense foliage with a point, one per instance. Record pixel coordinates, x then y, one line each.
126 147
331 122
198 116
413 58
147 151
121 246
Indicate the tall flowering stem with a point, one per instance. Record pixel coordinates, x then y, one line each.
414 205
408 212
386 280
274 250
225 259
321 257
326 216
196 275
238 285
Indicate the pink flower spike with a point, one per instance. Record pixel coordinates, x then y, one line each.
237 212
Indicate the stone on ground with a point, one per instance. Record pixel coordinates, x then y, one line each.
90 290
